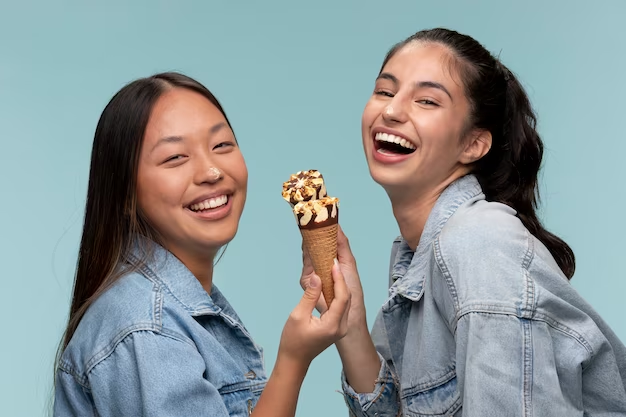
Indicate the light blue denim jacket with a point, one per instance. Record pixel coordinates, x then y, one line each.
481 322
156 344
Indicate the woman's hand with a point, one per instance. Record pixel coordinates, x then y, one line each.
305 336
348 267
358 354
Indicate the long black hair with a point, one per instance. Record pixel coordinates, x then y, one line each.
498 103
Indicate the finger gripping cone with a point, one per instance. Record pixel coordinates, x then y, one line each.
321 244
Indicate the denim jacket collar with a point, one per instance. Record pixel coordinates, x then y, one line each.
408 270
167 271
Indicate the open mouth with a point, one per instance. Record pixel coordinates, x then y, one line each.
389 144
209 204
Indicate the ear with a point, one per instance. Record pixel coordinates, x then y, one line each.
477 146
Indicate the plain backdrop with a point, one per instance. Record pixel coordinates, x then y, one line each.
293 78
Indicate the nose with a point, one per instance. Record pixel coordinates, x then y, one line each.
396 111
207 172
214 175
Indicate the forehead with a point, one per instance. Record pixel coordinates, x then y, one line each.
180 112
419 61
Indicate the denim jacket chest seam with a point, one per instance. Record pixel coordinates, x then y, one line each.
66 367
106 352
524 313
154 324
528 309
164 332
565 330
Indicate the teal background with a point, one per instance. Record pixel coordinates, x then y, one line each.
293 78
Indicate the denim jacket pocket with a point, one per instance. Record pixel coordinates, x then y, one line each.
439 398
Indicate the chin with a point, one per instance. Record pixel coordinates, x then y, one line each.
395 183
217 240
208 239
385 176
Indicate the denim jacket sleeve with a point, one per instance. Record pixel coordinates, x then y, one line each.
509 365
521 350
147 374
382 402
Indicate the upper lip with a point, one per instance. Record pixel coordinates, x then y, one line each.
208 196
382 129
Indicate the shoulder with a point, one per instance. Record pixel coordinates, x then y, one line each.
133 303
130 302
484 252
486 230
482 221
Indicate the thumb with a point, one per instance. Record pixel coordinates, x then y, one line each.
312 293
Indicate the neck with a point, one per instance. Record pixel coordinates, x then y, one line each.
411 210
203 271
200 264
411 215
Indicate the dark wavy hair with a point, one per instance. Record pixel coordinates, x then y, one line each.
498 103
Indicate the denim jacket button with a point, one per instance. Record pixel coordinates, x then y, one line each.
250 375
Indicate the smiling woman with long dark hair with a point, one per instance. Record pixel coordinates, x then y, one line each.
481 319
149 333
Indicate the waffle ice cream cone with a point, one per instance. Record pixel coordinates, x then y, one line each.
317 216
318 221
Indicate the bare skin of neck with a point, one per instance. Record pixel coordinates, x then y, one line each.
200 265
411 210
203 272
411 216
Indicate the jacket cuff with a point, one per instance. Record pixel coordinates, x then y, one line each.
382 400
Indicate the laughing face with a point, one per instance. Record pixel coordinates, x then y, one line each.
414 124
192 178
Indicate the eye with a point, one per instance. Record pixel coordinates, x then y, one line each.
224 145
174 158
383 93
427 102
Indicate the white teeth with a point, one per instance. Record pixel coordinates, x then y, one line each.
210 203
385 137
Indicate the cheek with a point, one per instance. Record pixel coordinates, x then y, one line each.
371 111
370 114
430 130
156 190
244 177
242 167
239 170
435 128
145 200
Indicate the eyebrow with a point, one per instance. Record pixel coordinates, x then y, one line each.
419 84
176 139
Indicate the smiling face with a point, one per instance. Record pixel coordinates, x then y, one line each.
192 178
415 124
